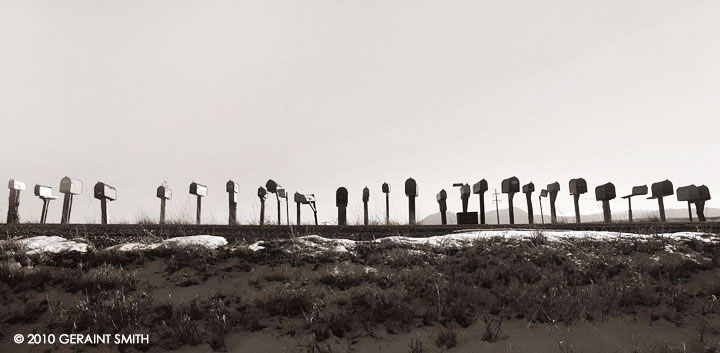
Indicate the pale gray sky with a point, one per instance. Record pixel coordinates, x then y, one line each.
320 94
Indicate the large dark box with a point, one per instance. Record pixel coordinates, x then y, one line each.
467 217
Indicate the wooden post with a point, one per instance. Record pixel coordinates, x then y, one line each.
386 191
630 219
365 198
232 189
341 202
528 190
199 191
282 194
69 187
690 210
297 212
442 202
661 207
578 187
262 195
104 192
605 193
15 187
542 216
660 190
480 188
163 193
411 191
636 191
553 189
511 186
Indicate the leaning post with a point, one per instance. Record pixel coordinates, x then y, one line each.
15 186
636 191
660 190
605 193
262 195
69 187
578 187
553 189
528 189
442 202
543 193
45 194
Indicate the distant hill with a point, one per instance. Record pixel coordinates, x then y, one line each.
673 214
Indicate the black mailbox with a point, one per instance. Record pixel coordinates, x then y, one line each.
341 197
554 187
262 193
510 185
411 188
386 188
530 187
578 186
442 195
198 189
704 193
688 193
366 194
105 191
661 189
480 187
271 186
232 187
543 193
605 192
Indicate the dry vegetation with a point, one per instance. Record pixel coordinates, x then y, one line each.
336 302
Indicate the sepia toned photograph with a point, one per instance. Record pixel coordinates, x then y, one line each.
347 176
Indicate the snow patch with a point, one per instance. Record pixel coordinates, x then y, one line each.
51 244
206 241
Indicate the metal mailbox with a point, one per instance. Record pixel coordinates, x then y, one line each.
605 192
441 196
386 188
198 189
411 188
164 192
704 193
554 187
341 197
70 186
578 186
232 187
688 193
543 193
16 185
304 198
530 187
510 185
44 192
661 189
105 191
480 187
271 186
366 194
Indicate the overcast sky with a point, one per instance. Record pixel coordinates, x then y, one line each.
318 94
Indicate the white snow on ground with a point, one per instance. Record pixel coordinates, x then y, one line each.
462 239
51 244
207 241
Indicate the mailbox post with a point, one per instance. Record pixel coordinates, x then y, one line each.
479 188
232 189
45 194
528 189
272 187
543 193
700 204
282 194
411 191
577 187
511 186
200 191
465 217
694 195
442 201
69 187
104 193
660 190
308 199
553 189
605 193
341 201
163 193
15 186
386 191
365 198
262 195
636 191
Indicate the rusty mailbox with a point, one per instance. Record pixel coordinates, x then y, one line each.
479 188
528 189
465 217
365 199
233 190
306 199
543 193
341 202
605 193
553 190
660 190
511 186
578 187
442 202
45 193
411 191
200 191
70 187
636 191
386 191
262 195
164 193
104 193
15 187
